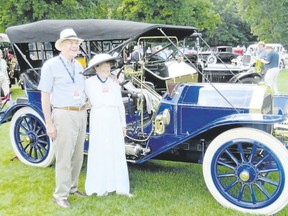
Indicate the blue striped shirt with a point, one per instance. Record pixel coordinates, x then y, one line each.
56 80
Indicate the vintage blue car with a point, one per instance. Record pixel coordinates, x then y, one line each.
237 131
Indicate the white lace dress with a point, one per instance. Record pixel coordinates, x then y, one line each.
106 166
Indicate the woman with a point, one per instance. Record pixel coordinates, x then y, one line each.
107 167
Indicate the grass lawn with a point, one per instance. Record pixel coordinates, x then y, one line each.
160 187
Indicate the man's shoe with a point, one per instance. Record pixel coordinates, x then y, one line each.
78 194
62 203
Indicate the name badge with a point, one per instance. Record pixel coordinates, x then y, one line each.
76 95
105 88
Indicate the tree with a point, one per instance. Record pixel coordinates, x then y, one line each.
157 11
268 19
202 14
197 13
26 11
232 30
222 22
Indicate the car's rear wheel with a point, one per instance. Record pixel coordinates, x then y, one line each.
246 169
29 139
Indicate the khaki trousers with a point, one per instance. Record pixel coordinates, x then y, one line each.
69 150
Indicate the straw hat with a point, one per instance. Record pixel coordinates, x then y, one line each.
67 34
261 43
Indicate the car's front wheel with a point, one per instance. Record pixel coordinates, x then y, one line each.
246 169
29 139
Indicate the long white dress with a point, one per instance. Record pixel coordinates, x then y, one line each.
106 166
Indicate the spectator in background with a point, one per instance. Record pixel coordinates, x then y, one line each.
271 68
260 54
4 78
136 55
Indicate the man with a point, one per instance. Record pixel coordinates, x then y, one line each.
136 55
271 66
62 89
261 54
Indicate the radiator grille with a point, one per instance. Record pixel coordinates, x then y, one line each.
218 76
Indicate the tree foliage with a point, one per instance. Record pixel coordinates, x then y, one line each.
26 11
223 22
268 19
178 12
232 30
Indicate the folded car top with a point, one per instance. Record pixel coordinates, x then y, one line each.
93 29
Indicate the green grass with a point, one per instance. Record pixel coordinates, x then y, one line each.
282 81
160 187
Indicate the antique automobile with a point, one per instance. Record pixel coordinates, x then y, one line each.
219 54
221 64
237 131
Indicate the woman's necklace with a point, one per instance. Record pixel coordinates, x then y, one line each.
102 81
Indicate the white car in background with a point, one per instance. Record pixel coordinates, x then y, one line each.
283 63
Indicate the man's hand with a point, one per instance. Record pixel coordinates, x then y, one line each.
51 131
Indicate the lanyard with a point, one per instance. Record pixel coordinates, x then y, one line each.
72 75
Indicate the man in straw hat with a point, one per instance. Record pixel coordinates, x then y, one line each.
260 54
62 89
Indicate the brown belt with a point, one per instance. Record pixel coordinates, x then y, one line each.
72 108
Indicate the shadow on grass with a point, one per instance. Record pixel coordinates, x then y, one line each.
156 166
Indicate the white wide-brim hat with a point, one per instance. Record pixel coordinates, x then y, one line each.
67 34
99 59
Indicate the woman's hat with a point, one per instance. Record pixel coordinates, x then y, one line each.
101 58
96 61
67 34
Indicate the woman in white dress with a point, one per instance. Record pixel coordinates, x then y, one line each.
107 169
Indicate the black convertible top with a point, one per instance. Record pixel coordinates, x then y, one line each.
92 29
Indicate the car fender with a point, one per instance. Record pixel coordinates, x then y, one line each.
248 119
6 115
240 76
